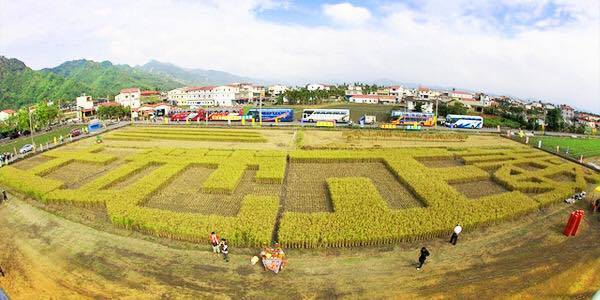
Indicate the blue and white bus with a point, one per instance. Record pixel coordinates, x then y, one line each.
270 114
318 114
462 121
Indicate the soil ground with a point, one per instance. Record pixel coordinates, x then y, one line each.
46 256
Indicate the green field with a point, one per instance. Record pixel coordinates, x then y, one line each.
588 147
43 138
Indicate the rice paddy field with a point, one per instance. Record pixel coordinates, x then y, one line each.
366 196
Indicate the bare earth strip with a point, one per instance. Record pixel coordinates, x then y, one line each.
307 189
77 174
45 256
184 193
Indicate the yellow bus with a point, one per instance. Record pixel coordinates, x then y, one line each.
412 118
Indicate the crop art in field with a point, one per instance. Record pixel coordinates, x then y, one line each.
359 215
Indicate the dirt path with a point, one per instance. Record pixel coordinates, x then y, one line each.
46 256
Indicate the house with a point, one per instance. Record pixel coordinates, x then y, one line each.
247 93
318 86
5 114
373 99
460 95
158 109
396 90
411 103
196 96
129 97
84 102
353 90
424 94
277 89
149 93
568 113
470 104
383 91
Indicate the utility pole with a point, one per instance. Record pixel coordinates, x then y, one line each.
31 127
436 111
260 110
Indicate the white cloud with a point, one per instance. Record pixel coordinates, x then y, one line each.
437 44
346 13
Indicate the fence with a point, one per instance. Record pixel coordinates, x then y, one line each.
579 150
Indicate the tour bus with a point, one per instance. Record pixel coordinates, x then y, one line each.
412 118
224 113
461 121
270 114
318 114
187 114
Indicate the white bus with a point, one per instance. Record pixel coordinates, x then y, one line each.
315 115
461 121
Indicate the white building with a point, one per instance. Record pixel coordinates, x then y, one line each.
424 93
353 90
317 87
460 95
277 89
129 97
84 102
195 96
178 96
5 114
373 99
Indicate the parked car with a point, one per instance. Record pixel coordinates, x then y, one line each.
75 132
26 148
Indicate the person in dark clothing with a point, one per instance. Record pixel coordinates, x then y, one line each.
422 257
4 195
2 272
225 250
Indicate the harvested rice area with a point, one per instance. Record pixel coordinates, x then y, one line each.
479 188
442 162
530 166
184 193
135 176
31 162
307 187
76 174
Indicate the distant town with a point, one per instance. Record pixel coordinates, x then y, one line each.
497 110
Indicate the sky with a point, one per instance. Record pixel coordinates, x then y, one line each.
546 50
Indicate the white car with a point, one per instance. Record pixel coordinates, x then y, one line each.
26 148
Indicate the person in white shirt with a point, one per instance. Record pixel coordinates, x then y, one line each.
455 233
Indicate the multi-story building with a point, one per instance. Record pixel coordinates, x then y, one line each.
84 102
460 95
277 89
318 86
195 96
129 97
424 93
568 113
373 99
353 90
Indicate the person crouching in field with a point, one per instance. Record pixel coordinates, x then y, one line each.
455 233
215 242
422 257
225 250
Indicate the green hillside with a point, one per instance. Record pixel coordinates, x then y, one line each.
20 85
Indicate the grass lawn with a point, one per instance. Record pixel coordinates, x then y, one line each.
588 147
38 138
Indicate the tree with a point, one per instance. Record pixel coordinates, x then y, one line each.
419 107
554 120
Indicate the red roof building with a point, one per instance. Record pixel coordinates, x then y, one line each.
130 90
149 93
9 111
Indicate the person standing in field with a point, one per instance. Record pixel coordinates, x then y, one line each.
4 196
215 242
225 250
422 257
455 233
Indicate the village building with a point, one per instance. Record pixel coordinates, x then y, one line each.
129 97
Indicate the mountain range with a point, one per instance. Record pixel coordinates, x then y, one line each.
21 85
